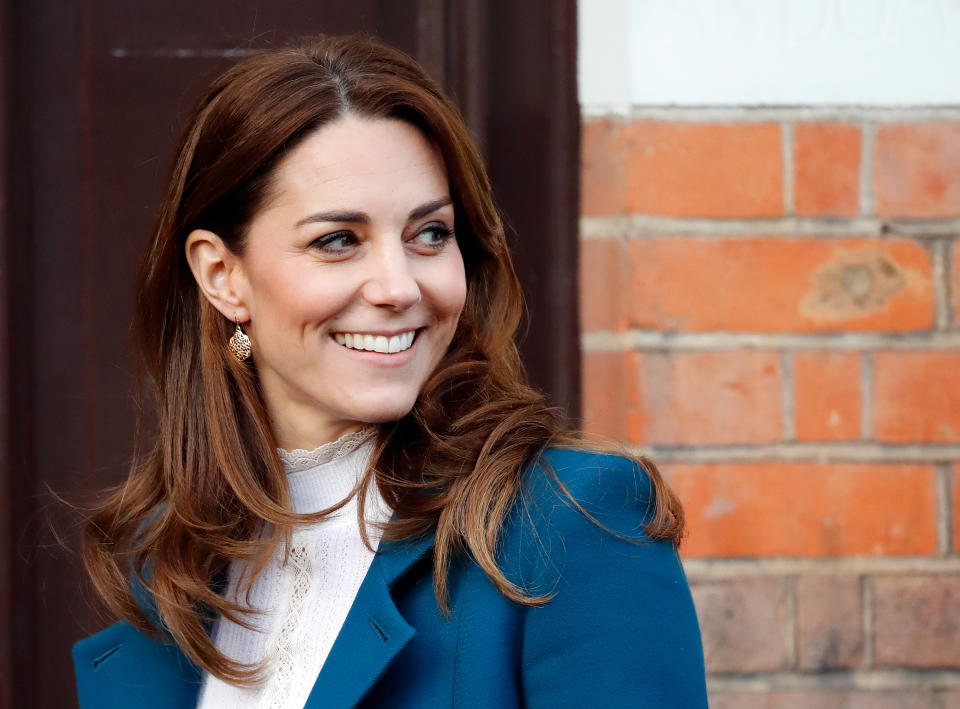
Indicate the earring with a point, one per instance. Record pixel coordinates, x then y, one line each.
240 344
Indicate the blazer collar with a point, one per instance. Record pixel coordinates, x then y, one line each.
373 633
395 558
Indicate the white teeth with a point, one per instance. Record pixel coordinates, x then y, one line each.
376 343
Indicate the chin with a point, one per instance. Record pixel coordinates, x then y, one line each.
377 410
385 416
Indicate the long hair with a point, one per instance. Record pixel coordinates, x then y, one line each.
209 487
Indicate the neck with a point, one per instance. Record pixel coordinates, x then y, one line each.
304 430
298 421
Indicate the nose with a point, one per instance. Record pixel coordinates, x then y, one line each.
390 283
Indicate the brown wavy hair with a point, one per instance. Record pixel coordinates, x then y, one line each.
210 486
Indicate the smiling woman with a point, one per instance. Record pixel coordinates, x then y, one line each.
327 310
356 239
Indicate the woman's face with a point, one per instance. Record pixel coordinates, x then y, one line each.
351 279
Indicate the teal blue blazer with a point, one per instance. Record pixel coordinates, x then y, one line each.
621 630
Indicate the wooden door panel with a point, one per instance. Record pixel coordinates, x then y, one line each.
93 98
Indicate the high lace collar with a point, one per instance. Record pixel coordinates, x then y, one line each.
299 459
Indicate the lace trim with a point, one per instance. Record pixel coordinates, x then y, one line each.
285 665
299 459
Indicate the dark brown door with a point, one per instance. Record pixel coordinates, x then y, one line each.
92 97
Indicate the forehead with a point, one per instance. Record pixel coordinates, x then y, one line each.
361 162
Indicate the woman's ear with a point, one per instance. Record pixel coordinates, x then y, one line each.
219 273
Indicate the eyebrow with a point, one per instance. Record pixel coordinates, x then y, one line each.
357 217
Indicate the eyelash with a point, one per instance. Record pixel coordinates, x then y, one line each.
445 233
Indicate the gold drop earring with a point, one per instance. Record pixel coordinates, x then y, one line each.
240 345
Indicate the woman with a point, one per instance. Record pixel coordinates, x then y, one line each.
327 310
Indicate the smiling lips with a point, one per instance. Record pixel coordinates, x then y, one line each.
376 343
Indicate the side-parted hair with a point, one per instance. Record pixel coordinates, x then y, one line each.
209 487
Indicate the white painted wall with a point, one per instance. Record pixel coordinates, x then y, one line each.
768 52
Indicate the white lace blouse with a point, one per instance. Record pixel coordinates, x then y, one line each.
306 600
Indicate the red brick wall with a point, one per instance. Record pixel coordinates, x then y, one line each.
771 309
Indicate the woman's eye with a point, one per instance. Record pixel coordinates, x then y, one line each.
336 242
434 236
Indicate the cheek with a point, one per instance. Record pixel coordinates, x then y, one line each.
448 288
297 294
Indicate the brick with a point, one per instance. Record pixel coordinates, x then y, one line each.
826 395
829 622
823 699
956 507
780 284
603 176
917 621
826 160
604 277
704 397
743 623
949 699
955 247
806 509
917 170
605 375
705 169
916 397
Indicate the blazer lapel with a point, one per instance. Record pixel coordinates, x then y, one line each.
119 667
373 633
